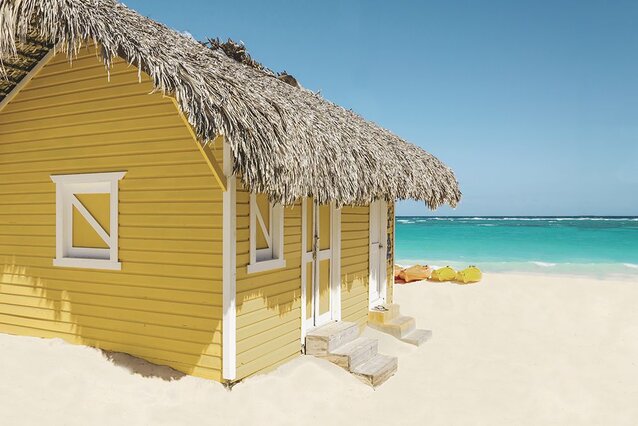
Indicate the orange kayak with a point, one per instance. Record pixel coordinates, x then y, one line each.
416 273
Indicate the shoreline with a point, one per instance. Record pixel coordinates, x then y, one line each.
528 274
598 271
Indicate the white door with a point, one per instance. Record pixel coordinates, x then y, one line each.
319 265
378 252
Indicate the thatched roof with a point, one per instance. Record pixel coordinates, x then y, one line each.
287 142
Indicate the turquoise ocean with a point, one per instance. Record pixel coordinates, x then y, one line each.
591 246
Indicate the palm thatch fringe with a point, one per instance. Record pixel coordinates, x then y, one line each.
287 142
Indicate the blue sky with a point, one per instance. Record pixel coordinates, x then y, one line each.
534 104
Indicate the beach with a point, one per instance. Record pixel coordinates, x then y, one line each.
523 349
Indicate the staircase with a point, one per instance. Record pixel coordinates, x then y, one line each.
339 342
388 319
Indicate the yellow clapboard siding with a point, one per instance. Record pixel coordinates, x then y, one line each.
201 310
278 302
116 324
170 246
359 299
355 219
357 259
352 252
106 125
137 253
25 209
265 279
21 240
269 346
354 269
267 291
90 152
290 255
254 342
33 121
34 100
165 304
167 270
355 311
193 234
87 76
179 195
49 86
27 307
173 208
356 236
117 138
263 326
54 289
92 111
112 162
270 361
33 273
354 264
171 221
143 171
268 303
191 259
354 226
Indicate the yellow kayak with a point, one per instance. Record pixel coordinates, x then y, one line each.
469 275
443 274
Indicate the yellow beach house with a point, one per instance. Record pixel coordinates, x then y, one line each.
183 204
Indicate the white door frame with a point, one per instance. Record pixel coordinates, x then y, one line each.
334 254
378 252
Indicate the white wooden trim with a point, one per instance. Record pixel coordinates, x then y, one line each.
252 230
373 253
114 225
383 251
89 178
66 186
378 230
229 286
266 259
266 265
277 228
304 261
27 78
335 267
74 262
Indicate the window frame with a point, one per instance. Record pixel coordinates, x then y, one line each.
66 186
270 258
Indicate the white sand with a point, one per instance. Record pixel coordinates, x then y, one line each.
513 350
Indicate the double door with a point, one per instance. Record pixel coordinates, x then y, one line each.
320 278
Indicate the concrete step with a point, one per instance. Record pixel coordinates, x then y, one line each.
398 327
417 337
377 370
384 316
354 353
402 326
325 339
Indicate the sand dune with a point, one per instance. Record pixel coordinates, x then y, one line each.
513 350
